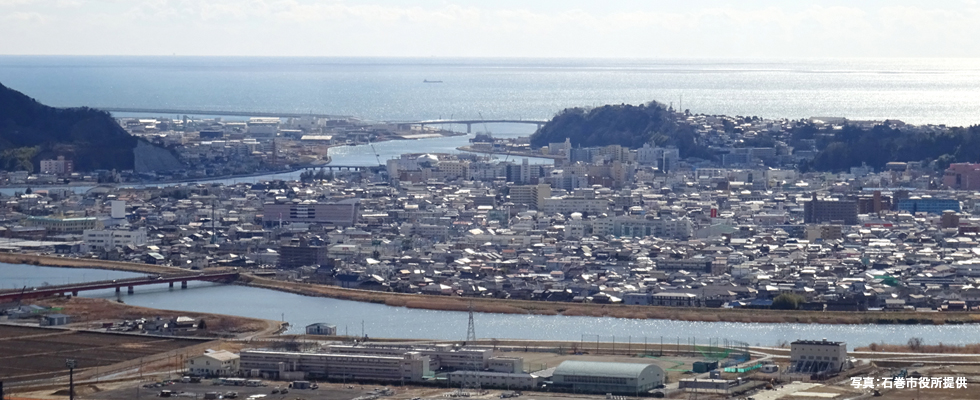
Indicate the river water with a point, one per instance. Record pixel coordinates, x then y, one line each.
385 321
360 155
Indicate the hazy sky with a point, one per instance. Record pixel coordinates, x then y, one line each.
493 28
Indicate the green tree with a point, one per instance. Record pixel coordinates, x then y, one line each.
787 301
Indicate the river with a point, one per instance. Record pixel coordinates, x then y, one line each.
360 155
385 321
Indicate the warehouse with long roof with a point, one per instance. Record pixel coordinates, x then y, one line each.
607 377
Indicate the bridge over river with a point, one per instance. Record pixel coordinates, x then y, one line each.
130 284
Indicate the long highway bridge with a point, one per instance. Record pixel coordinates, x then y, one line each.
10 295
468 122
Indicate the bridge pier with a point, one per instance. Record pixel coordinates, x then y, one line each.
131 290
469 128
118 289
74 293
171 285
183 284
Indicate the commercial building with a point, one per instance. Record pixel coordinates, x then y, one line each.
107 239
812 356
665 159
409 367
962 176
567 205
341 213
64 225
929 205
824 232
263 127
61 166
608 377
215 363
818 211
297 255
530 195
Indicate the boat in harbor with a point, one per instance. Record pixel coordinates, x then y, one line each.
428 81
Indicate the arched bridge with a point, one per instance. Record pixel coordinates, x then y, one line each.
10 295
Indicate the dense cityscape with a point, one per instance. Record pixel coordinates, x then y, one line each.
430 200
600 225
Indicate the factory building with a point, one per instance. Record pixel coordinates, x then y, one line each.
608 377
408 367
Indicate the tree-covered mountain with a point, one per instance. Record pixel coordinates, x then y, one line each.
626 125
31 131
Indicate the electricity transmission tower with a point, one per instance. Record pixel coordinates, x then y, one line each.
471 329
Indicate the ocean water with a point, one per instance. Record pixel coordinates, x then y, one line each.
937 91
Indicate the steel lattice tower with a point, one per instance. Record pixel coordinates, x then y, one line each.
471 329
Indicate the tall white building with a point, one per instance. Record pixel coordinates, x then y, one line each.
664 158
117 209
105 239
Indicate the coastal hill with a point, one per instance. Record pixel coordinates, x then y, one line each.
31 131
626 125
835 147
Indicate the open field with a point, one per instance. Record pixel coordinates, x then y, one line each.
37 353
88 313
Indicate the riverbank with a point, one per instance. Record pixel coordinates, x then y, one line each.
93 263
505 306
89 313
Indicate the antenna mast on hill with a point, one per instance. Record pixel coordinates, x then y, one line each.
471 329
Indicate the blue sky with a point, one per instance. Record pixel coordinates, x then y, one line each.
499 28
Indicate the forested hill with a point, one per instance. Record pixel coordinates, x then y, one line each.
626 125
31 131
840 149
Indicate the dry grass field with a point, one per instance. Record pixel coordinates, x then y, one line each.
37 353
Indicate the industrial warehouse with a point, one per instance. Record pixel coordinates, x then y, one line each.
608 377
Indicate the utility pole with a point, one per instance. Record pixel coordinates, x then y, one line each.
71 364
